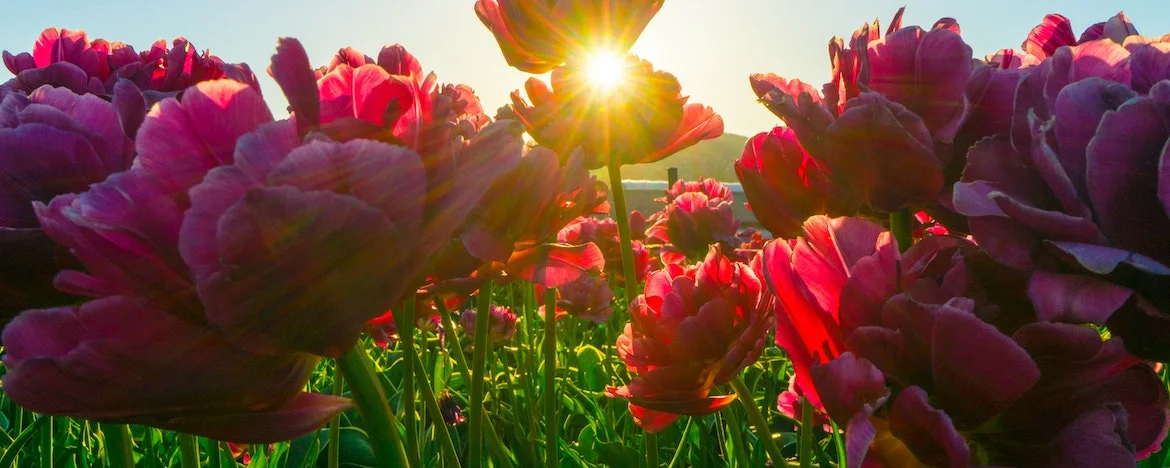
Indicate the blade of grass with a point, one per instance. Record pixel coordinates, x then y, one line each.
21 440
189 449
756 418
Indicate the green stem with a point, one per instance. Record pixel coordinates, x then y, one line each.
550 378
682 444
189 450
118 449
839 443
378 419
479 365
806 433
335 424
756 418
502 454
450 457
623 222
46 451
405 323
901 225
736 427
651 449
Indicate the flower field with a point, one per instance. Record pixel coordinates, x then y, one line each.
956 257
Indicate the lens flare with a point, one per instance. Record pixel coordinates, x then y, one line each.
605 70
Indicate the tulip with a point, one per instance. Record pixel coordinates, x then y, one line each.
694 221
912 354
102 359
1055 31
693 329
1068 212
705 185
536 35
52 142
461 159
64 58
643 120
784 185
501 323
587 298
603 232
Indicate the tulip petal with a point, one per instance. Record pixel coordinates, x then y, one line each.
271 300
103 360
1075 298
294 74
181 140
1096 438
978 371
850 385
928 432
554 265
1123 174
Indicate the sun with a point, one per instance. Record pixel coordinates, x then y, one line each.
605 70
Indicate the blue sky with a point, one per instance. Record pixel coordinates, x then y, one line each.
711 46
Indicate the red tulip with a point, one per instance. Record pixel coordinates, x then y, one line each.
538 35
644 119
603 232
785 185
693 329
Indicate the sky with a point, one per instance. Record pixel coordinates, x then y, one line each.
711 46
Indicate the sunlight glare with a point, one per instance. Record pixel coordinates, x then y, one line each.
606 70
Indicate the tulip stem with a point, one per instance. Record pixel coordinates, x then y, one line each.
901 226
189 450
405 325
623 222
502 454
756 418
651 449
839 443
478 366
335 423
550 375
450 457
118 449
378 419
806 433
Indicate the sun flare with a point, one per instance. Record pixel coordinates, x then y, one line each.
605 70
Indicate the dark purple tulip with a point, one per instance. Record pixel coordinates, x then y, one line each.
104 359
52 142
945 365
1091 200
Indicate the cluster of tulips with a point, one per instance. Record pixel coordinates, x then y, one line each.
968 262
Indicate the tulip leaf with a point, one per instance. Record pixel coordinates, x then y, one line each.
355 450
589 360
20 441
617 454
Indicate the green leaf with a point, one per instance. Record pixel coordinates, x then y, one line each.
617 454
355 450
589 362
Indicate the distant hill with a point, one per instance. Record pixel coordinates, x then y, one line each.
709 158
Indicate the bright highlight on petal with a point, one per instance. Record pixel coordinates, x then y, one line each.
605 70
